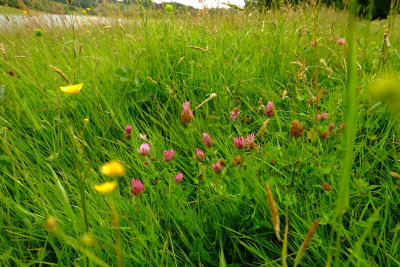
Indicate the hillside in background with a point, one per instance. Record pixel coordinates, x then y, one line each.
91 7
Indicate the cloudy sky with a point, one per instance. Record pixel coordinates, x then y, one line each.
209 3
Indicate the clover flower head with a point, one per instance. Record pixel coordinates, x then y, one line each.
270 109
136 187
341 41
200 155
169 154
207 141
296 129
128 129
235 113
179 177
239 142
217 167
187 114
144 150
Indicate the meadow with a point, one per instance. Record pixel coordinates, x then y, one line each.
288 152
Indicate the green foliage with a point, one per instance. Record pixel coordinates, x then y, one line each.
169 8
39 32
139 72
374 9
12 3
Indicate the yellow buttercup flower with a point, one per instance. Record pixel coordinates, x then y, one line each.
113 168
387 89
51 223
72 89
106 188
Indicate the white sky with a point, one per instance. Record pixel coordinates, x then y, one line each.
209 3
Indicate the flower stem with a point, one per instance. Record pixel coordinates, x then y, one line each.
118 241
83 202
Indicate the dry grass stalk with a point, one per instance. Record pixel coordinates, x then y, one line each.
395 175
181 59
153 81
233 6
62 74
198 48
273 209
213 95
285 240
397 228
306 242
122 28
3 51
262 129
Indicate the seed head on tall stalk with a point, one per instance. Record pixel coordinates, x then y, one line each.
315 46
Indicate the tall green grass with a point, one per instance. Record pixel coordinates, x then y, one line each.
350 126
139 72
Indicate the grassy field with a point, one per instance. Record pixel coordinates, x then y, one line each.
139 72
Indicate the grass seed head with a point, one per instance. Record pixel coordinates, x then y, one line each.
61 74
306 242
262 129
274 212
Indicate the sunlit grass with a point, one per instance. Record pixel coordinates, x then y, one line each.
200 199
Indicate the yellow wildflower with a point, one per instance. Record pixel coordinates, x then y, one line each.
106 188
72 89
84 11
387 89
51 223
88 9
89 240
113 168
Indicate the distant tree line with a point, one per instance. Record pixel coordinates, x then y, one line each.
367 8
